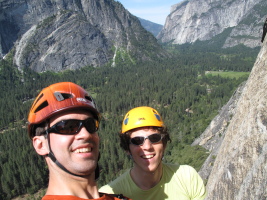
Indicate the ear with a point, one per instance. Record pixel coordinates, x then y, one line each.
40 145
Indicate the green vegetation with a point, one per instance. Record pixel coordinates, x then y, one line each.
46 21
228 74
178 87
188 155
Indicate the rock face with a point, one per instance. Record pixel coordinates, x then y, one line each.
194 20
212 138
237 167
58 34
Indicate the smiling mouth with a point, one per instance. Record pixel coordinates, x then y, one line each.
147 156
83 150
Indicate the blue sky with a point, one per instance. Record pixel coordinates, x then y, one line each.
153 10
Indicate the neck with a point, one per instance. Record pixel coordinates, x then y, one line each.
146 179
66 184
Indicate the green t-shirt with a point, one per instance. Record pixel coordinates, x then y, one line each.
178 182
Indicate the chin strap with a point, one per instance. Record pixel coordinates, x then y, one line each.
53 158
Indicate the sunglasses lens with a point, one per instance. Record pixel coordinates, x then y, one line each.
154 138
67 127
73 126
91 125
137 140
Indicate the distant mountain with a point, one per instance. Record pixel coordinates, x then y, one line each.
239 21
58 35
151 26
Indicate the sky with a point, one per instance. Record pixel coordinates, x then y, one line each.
152 10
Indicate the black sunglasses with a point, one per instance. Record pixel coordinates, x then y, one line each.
73 126
153 138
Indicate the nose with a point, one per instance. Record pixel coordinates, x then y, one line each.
83 134
147 144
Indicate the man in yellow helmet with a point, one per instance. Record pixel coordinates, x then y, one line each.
144 137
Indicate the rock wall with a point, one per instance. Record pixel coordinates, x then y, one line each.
194 20
240 171
212 138
57 35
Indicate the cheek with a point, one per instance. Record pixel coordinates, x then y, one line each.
134 149
96 139
61 141
161 151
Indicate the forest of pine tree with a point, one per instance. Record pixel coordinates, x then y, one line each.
171 86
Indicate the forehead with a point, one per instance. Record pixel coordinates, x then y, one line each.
144 131
71 114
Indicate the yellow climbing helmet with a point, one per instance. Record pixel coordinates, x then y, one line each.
140 117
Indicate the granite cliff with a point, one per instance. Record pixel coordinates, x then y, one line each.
240 21
237 141
57 34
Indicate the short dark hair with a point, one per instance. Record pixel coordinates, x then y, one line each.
125 138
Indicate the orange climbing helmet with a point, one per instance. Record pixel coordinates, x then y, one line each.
56 98
141 117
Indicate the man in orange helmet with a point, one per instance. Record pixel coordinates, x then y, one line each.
63 124
144 137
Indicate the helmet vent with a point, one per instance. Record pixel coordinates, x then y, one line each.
62 96
89 98
42 106
37 99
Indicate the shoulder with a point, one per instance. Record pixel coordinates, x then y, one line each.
106 189
186 169
178 168
115 185
189 176
187 172
184 172
186 179
170 168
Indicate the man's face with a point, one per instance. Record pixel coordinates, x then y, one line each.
147 157
78 153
